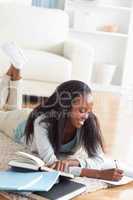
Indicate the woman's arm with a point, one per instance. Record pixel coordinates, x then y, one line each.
72 166
91 163
43 145
107 174
45 149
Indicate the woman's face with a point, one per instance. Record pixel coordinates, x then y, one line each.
81 107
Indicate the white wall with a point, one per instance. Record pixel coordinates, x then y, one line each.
128 72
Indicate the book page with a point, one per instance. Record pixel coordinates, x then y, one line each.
92 184
25 160
127 168
30 157
123 181
28 161
22 165
68 175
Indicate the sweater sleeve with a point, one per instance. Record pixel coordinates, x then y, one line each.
43 145
96 162
90 162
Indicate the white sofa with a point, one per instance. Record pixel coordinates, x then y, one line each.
52 57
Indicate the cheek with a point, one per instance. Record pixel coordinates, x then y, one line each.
75 115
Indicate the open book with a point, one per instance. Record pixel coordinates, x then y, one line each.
28 161
123 181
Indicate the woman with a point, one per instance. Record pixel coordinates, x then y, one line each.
65 132
66 125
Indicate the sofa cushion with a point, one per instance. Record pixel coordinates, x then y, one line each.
38 88
42 66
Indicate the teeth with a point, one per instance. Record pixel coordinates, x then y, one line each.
81 122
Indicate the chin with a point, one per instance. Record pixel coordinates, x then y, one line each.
78 125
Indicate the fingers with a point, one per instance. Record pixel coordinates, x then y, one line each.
62 165
59 165
115 170
52 166
117 175
112 174
120 171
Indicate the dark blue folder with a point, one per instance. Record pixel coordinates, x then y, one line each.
66 189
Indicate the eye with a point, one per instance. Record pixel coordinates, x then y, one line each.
82 110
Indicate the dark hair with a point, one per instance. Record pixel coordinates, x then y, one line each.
56 110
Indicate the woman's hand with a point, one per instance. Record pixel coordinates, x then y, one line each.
63 165
111 174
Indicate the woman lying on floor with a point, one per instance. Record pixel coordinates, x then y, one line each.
64 132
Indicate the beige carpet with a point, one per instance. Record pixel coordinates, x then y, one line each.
7 149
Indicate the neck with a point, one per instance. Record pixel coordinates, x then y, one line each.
69 132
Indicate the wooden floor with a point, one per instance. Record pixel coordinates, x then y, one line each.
115 113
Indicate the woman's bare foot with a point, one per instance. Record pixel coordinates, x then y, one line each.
14 73
9 72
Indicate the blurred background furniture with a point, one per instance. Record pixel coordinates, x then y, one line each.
108 26
52 57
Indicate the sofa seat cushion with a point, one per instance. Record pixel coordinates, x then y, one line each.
38 88
43 66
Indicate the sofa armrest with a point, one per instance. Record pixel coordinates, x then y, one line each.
82 57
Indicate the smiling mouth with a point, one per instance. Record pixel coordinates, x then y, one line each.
81 122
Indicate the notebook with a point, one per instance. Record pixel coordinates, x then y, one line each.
66 189
31 181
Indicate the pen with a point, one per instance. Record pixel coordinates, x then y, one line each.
116 164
